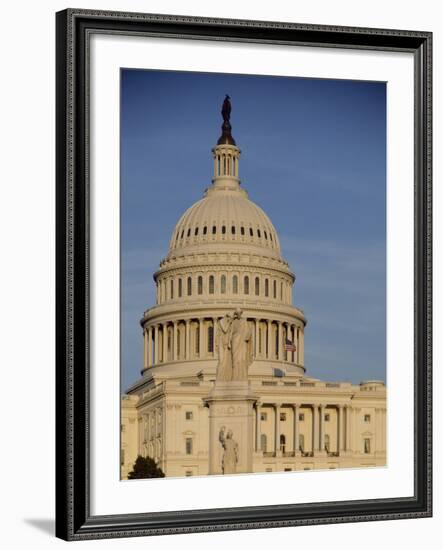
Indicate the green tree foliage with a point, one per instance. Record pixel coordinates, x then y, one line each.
145 467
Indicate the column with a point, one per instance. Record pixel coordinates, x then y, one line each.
150 347
348 427
315 437
341 430
295 433
165 342
156 342
174 342
302 347
297 339
279 340
268 340
145 348
187 338
258 427
257 336
277 428
201 343
214 340
322 427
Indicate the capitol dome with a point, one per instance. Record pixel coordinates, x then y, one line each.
225 218
224 254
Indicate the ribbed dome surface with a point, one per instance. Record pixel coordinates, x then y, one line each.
225 216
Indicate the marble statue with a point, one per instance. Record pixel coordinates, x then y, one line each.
224 332
230 452
234 348
241 347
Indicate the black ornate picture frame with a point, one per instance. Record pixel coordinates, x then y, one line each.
73 517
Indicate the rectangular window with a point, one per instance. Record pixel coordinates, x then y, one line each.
188 415
327 417
301 417
288 469
367 446
188 473
282 417
189 445
367 417
263 416
122 457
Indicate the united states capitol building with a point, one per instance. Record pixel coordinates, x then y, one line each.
224 256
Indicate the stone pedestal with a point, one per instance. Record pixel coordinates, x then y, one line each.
231 407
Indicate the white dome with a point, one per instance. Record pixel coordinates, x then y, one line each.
225 218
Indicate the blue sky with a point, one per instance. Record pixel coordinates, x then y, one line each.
313 157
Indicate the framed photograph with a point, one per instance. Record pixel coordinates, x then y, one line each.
243 274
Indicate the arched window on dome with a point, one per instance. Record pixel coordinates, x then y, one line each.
223 284
266 235
183 232
281 291
246 285
189 286
210 339
251 232
188 234
205 230
211 284
233 229
214 229
266 287
180 288
200 285
196 231
223 229
172 289
257 286
259 233
235 284
275 289
270 236
242 230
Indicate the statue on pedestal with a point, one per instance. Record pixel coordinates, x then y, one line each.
234 348
230 454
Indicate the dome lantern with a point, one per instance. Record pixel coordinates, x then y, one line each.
226 154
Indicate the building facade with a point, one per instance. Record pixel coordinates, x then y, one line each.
224 254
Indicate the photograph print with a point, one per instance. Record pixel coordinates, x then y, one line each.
253 274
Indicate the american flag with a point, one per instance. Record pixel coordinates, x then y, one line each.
289 346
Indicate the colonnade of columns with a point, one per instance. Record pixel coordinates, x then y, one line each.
344 427
195 338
